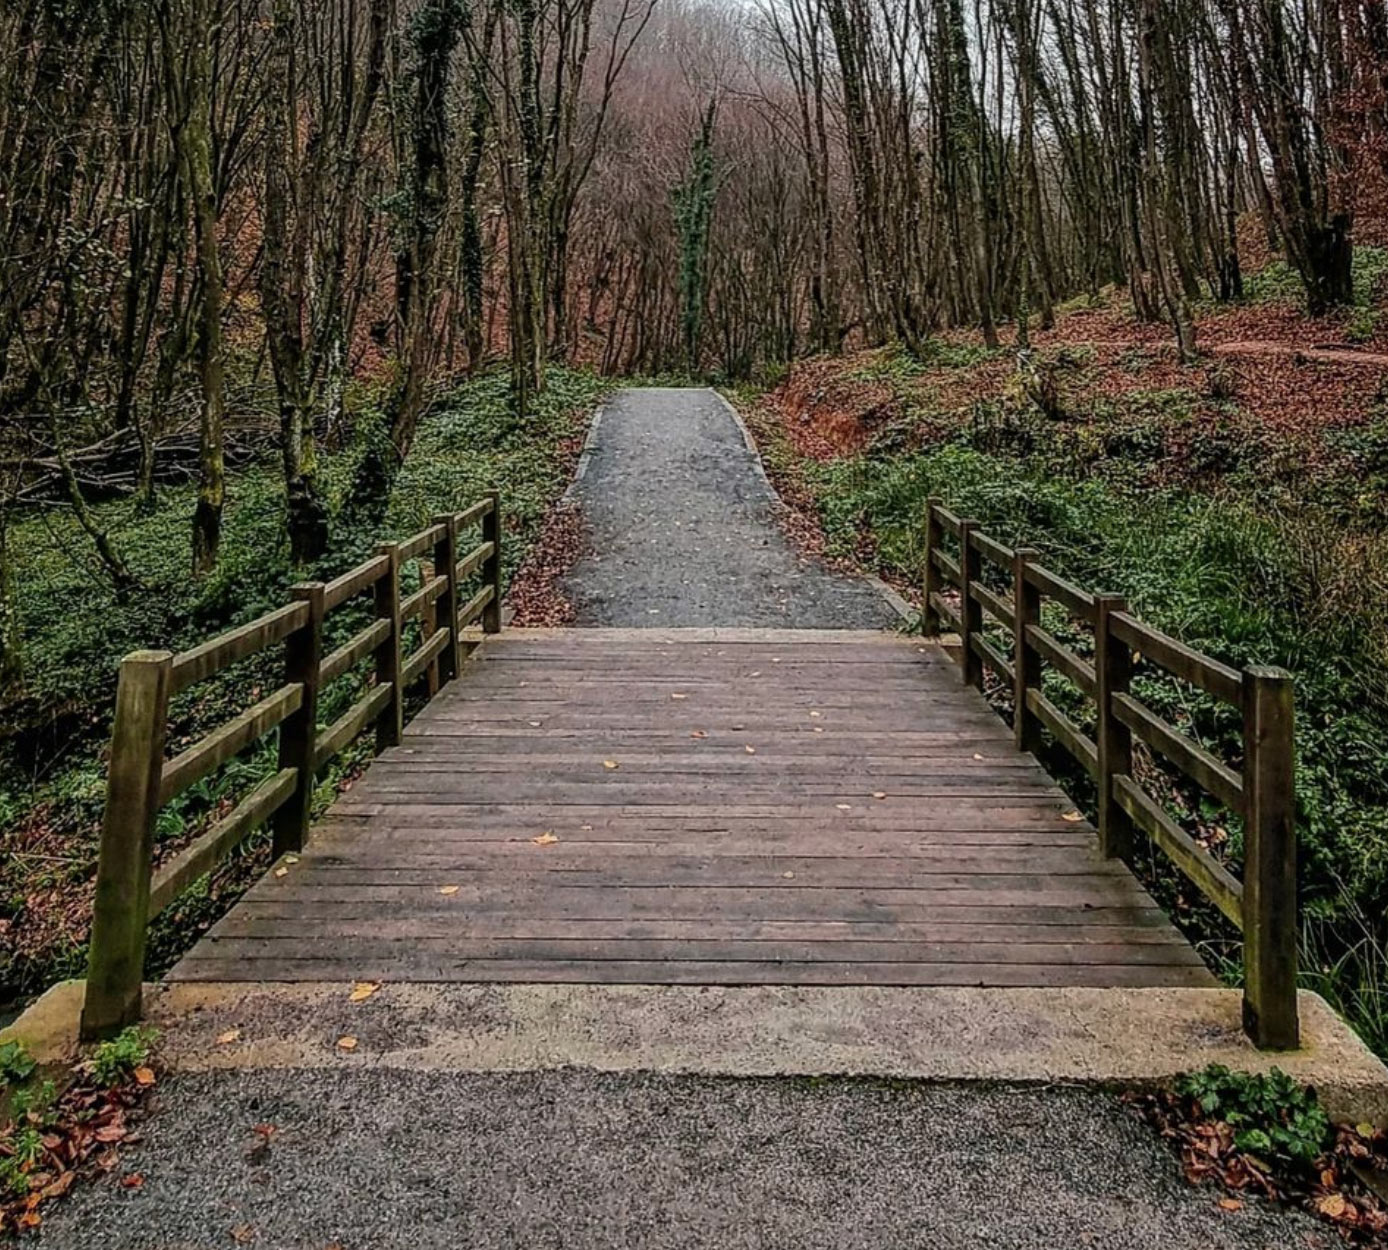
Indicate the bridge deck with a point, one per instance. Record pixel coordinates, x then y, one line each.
785 807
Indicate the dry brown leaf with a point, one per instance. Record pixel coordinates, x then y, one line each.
347 1043
231 1035
610 765
789 876
545 839
1072 816
698 733
144 1076
1332 1206
291 859
879 794
363 990
243 1234
132 1180
750 750
1230 1204
281 872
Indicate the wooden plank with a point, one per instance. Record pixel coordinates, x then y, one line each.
474 560
1065 731
1080 603
388 965
354 582
1063 660
416 545
1211 774
413 668
238 644
474 514
475 606
200 857
344 730
1182 661
414 604
231 739
354 651
1213 880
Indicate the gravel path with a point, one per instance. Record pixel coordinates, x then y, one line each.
683 532
370 1160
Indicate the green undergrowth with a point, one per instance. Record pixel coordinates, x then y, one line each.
76 629
1243 562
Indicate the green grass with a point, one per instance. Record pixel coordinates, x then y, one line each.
76 629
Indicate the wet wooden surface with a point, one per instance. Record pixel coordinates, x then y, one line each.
797 807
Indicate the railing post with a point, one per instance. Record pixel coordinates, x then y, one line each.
390 729
970 613
116 965
299 734
491 570
1026 661
1113 672
1269 880
446 562
934 582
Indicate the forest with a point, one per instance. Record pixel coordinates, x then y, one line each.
1108 273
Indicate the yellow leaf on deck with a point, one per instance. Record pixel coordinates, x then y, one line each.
750 750
679 696
698 733
879 794
545 839
291 859
448 891
363 990
610 764
1072 816
844 807
281 872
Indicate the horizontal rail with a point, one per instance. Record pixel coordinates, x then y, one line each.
991 549
1065 731
946 611
993 602
1180 660
426 540
993 657
473 608
428 593
353 582
1077 601
470 516
202 856
1191 758
474 560
1063 660
354 651
237 644
1209 876
231 739
413 668
346 727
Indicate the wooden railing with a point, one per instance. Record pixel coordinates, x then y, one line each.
1001 590
142 780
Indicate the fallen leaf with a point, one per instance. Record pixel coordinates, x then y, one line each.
679 696
757 674
281 872
132 1180
448 891
535 724
30 1219
291 859
879 794
586 828
1332 1206
750 750
818 730
545 839
108 1133
610 765
363 990
1230 1204
698 733
347 1043
1072 816
226 1039
816 715
789 876
844 807
144 1076
977 756
243 1234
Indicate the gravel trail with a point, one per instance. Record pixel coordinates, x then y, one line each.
683 531
375 1159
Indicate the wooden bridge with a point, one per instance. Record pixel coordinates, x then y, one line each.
699 806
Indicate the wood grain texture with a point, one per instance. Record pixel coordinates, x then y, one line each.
717 807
